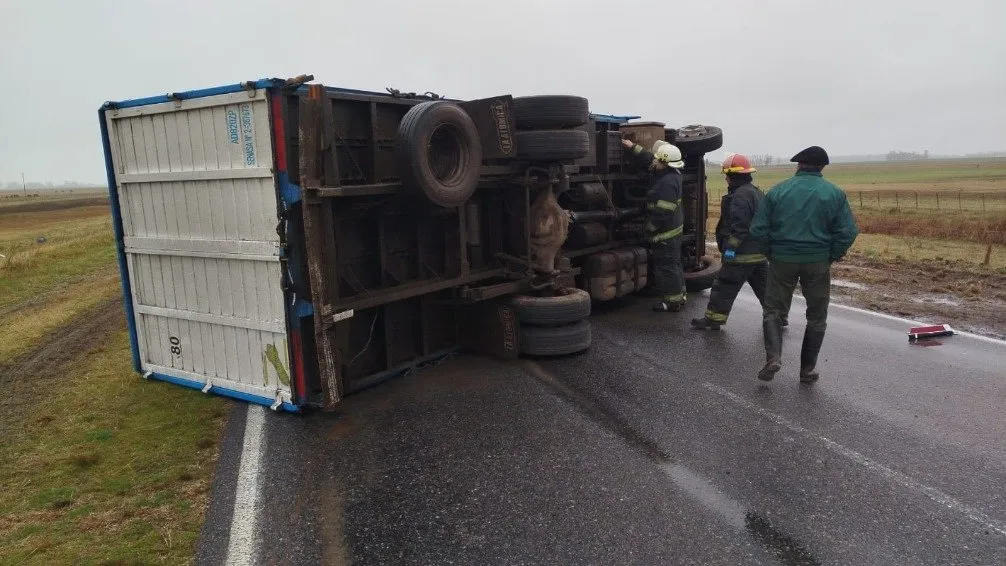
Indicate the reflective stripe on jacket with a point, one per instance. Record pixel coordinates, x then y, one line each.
665 217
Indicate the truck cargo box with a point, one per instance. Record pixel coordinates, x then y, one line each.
288 243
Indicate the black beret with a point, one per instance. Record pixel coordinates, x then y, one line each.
813 155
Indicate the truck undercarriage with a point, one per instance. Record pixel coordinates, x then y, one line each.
425 225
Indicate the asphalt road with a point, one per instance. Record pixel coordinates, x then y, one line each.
658 446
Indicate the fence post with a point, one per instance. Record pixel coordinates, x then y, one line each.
916 200
983 202
878 200
897 203
860 199
937 201
959 205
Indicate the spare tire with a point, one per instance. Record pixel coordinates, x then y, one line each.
555 340
571 305
439 153
702 279
698 140
553 145
550 112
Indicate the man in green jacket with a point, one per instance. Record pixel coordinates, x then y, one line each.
803 225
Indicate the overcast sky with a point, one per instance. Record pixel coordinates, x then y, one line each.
855 76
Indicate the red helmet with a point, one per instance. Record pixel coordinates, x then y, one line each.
737 163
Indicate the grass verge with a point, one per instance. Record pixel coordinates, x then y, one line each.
97 466
23 329
108 468
72 249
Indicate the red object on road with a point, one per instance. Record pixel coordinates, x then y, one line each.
918 332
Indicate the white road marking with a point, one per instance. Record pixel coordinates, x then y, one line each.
882 470
242 549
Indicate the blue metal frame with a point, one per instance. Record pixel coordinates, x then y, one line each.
191 94
289 194
258 399
120 248
610 119
287 190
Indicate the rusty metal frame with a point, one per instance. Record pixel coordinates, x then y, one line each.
381 291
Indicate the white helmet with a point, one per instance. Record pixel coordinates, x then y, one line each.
656 145
669 155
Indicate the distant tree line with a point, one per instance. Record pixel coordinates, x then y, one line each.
907 155
34 185
756 161
764 160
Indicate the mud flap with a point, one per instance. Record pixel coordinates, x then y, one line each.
489 327
494 120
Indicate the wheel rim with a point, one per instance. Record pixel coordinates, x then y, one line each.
447 155
704 264
692 131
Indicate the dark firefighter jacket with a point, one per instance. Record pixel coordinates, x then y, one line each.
737 210
804 219
665 218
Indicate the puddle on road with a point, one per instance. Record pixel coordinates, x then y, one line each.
707 494
786 549
930 298
849 284
926 343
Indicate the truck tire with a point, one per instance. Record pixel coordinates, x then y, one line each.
439 153
571 305
553 145
698 140
702 279
555 340
550 112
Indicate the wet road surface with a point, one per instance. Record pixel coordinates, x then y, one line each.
657 446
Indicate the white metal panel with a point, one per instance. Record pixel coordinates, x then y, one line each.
199 215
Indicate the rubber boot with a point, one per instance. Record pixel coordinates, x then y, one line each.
812 340
773 349
705 324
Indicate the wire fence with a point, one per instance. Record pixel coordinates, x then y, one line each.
933 201
949 201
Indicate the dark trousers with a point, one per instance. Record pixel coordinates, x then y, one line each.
668 277
728 283
815 281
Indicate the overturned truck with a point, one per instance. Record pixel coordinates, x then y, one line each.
288 243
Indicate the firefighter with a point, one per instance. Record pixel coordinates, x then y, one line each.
803 224
665 221
742 258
